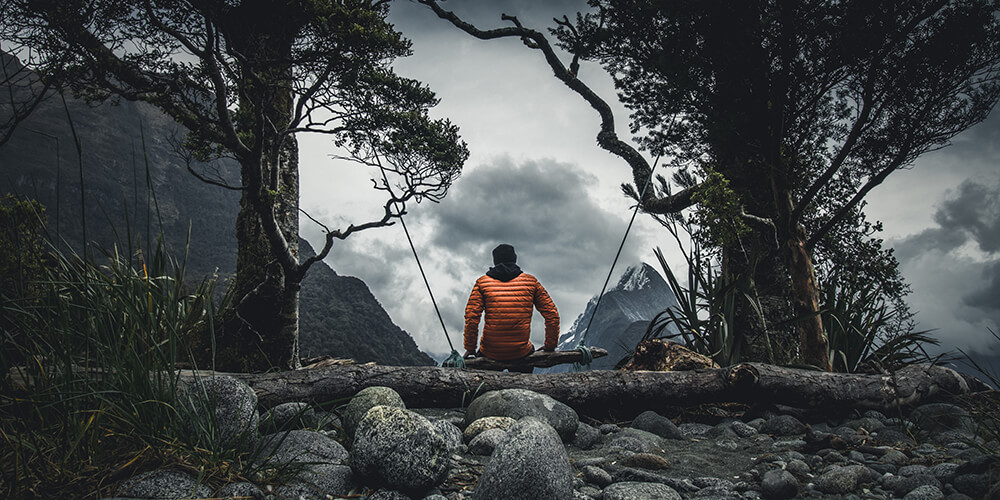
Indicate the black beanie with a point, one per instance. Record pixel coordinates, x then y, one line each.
504 253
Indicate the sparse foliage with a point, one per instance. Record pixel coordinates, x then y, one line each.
245 78
804 107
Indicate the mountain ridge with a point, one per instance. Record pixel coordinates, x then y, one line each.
135 186
625 312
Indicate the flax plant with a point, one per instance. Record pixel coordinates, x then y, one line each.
89 383
857 319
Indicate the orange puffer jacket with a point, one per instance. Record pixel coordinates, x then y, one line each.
508 306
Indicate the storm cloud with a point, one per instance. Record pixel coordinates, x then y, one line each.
544 208
954 267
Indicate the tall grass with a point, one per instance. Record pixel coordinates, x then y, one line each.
856 319
89 386
704 318
985 407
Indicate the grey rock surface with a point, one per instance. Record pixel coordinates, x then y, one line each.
631 490
289 416
163 484
229 403
651 421
399 449
779 484
485 442
301 446
517 403
365 400
529 464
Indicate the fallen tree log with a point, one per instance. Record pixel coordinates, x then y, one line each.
537 359
599 392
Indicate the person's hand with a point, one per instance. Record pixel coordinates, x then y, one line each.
469 355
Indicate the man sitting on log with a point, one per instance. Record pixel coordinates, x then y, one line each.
508 296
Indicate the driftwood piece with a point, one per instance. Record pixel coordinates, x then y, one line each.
601 391
538 359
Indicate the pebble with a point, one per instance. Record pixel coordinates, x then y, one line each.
653 457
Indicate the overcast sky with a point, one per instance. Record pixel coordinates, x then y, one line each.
537 179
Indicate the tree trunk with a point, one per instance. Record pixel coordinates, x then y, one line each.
766 342
602 392
261 332
805 292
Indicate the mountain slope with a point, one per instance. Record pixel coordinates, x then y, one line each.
124 201
624 313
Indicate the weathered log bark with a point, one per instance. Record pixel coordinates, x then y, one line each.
599 392
538 359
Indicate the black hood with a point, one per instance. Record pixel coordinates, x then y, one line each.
505 271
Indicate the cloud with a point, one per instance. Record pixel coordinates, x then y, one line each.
542 208
954 268
987 298
974 209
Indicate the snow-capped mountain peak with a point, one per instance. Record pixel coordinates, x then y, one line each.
625 310
636 278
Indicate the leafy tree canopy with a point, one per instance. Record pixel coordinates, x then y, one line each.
245 77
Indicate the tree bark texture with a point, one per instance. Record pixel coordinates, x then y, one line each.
812 338
601 392
263 332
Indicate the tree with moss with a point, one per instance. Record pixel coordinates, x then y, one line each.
246 77
802 107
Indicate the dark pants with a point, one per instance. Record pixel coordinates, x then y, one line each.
515 369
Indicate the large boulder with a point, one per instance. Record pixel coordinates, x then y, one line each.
221 411
518 403
400 449
289 416
317 459
634 490
451 433
530 463
318 482
163 484
486 423
283 448
365 400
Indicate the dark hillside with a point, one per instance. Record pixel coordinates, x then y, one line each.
339 315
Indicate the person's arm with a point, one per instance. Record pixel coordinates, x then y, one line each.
473 311
548 310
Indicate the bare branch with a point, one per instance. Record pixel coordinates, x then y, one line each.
607 138
214 182
386 220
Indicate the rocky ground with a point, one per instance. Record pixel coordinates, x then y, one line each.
516 444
